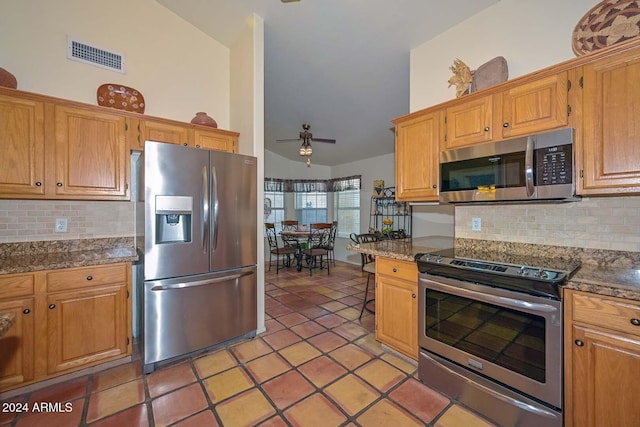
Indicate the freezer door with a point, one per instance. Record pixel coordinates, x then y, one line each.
189 314
176 181
233 210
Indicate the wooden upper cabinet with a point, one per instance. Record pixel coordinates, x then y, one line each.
91 160
537 106
417 150
469 122
611 129
160 131
21 147
215 140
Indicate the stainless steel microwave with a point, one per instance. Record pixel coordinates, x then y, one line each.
535 168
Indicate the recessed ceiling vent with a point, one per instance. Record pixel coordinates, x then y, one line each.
82 52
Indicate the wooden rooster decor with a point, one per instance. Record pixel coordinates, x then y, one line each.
462 77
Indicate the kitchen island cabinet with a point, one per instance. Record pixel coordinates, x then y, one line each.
66 319
17 345
397 305
602 360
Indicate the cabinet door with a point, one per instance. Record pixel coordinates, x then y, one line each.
397 306
21 147
164 132
16 346
215 141
86 327
469 122
611 146
535 107
605 373
417 151
91 155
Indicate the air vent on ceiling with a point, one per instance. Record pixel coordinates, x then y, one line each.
82 52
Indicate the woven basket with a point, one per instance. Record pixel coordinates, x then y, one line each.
607 23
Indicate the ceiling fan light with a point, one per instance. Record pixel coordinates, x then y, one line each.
308 151
303 150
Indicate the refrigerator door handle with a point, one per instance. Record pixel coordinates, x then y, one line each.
205 210
214 180
201 282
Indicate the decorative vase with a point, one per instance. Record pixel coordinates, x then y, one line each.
201 118
7 79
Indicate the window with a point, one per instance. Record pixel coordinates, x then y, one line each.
311 207
276 213
346 205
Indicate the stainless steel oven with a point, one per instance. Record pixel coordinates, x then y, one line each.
490 335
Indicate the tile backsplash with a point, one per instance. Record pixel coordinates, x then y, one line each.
597 223
34 220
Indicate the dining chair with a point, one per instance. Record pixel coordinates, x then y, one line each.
284 251
316 246
333 231
289 225
368 265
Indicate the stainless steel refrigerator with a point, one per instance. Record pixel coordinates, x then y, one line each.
200 250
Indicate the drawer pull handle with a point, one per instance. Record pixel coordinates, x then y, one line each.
505 125
185 144
52 306
38 184
26 311
197 145
486 129
59 184
395 270
434 186
579 343
89 277
413 296
635 322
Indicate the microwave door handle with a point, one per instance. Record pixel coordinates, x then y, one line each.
528 166
205 210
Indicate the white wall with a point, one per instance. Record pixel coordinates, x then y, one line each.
178 69
530 35
247 113
276 166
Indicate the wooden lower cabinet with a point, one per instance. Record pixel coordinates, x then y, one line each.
86 327
602 361
66 320
16 346
397 305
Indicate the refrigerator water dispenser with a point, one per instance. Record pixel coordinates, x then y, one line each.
173 219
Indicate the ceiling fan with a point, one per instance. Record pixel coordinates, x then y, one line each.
307 137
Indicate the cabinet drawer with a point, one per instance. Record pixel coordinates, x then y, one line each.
86 277
613 314
16 285
399 269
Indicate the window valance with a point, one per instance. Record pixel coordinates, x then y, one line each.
312 185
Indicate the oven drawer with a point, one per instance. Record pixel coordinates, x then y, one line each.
400 269
616 314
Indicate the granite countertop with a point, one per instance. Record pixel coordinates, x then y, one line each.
50 255
6 321
403 249
612 273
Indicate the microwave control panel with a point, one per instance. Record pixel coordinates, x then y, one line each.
554 165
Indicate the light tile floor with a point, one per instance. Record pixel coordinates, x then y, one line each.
316 365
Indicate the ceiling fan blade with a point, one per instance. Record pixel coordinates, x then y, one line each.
332 141
287 140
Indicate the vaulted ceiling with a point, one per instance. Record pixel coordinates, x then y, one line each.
341 66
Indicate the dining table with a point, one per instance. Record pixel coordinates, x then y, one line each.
302 237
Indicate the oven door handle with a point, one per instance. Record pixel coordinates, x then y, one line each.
479 296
